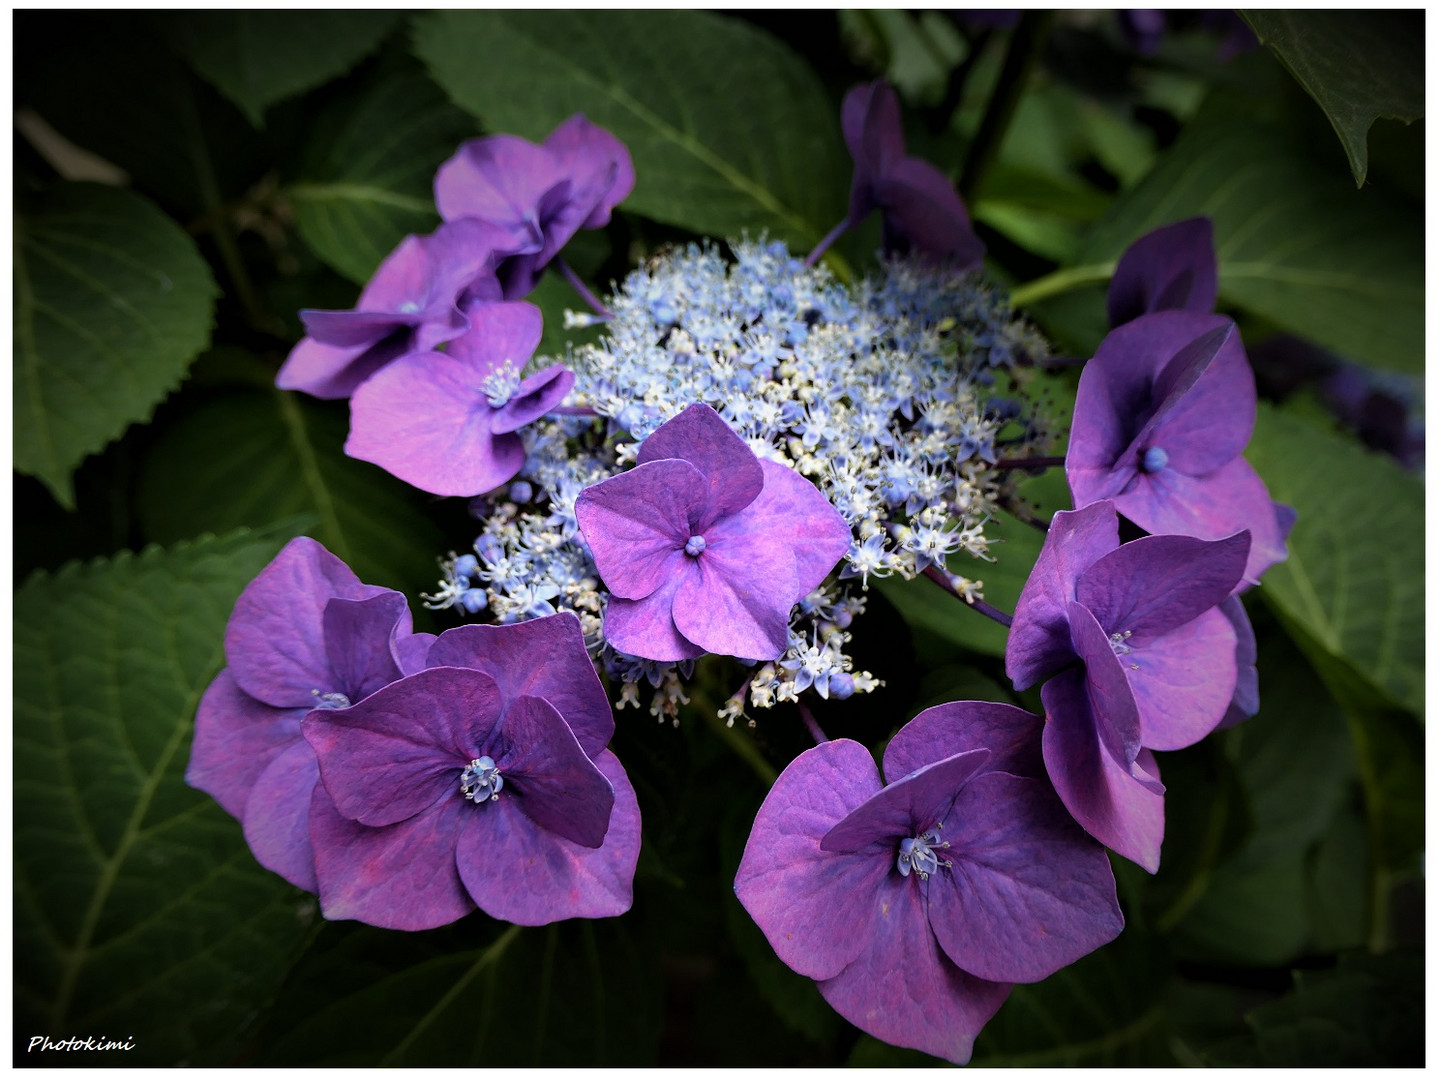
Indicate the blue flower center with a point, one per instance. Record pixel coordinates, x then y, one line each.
330 701
1154 459
694 546
480 781
500 385
1118 643
918 855
410 307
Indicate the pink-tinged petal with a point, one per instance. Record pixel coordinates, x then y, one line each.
518 872
400 283
400 877
277 816
1012 735
921 205
236 737
424 420
360 642
1113 703
1040 638
356 330
1026 891
637 524
732 475
1150 586
739 603
600 165
1184 681
275 640
791 512
646 627
1170 268
813 906
1115 804
902 987
1211 507
536 396
543 658
906 807
334 371
1246 701
400 750
500 179
499 332
411 651
548 775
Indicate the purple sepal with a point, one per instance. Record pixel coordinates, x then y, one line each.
236 737
277 816
556 785
1246 701
907 805
1170 268
1012 735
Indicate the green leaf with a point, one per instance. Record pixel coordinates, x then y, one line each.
1356 572
1295 245
366 183
112 302
139 912
728 129
1358 65
477 993
257 58
258 456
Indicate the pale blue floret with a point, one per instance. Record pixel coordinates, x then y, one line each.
480 781
917 854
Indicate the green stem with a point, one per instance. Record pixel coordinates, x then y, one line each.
1021 57
1060 281
1378 893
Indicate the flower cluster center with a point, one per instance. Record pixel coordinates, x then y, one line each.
330 701
480 781
917 856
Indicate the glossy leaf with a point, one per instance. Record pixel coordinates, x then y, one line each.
1295 245
139 912
257 58
112 302
727 128
1358 65
367 180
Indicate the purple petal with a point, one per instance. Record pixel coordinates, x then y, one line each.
508 330
906 807
330 371
1173 267
360 640
1153 585
402 749
536 396
1184 681
637 524
921 204
1113 804
647 628
525 875
1012 735
1040 639
500 179
813 906
739 601
1246 702
601 169
411 651
549 775
543 658
1027 891
401 877
732 475
791 512
1113 704
277 816
356 330
871 123
424 420
236 737
275 640
902 988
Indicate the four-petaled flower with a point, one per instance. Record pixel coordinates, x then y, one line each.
916 904
1159 664
305 635
544 193
1163 411
705 548
446 422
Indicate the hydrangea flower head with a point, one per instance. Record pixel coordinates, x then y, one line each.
413 302
446 422
544 194
305 635
916 903
1172 268
1159 663
704 547
446 791
920 209
1163 411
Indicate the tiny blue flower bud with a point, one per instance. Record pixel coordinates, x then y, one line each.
467 567
842 686
473 600
1154 459
521 492
694 546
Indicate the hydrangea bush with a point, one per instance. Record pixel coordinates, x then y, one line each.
1016 703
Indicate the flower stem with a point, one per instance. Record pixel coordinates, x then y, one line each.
1021 56
1060 281
941 579
810 722
579 286
826 241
